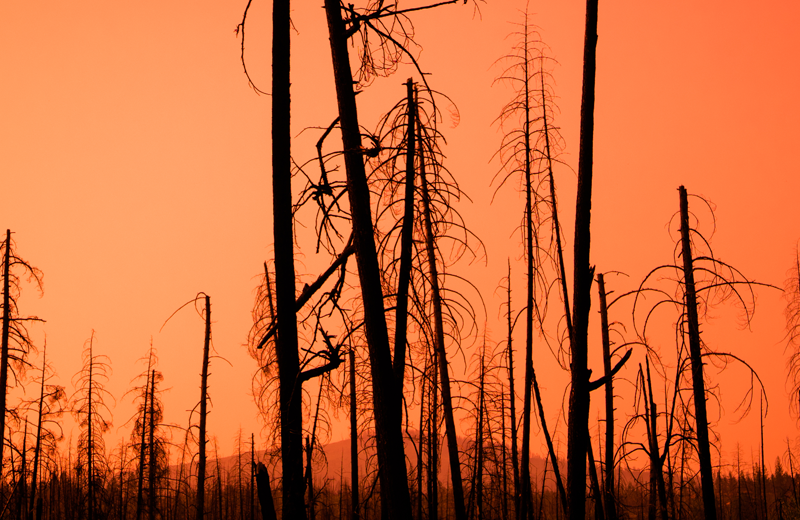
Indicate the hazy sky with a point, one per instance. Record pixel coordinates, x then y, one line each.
135 163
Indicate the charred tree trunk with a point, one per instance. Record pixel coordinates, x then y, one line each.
447 403
142 453
608 485
578 422
406 244
6 332
265 493
151 427
701 416
391 455
90 438
291 419
504 459
525 473
201 457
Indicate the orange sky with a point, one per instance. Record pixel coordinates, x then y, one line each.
135 162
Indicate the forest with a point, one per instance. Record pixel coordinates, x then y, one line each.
389 376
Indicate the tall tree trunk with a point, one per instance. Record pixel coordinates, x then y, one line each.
525 474
90 438
578 421
291 419
389 433
503 458
406 244
201 457
142 454
151 428
4 352
701 416
608 485
447 403
353 440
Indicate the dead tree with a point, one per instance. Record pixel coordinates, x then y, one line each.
609 498
393 39
16 342
89 407
718 281
698 385
530 152
50 407
583 272
201 435
291 405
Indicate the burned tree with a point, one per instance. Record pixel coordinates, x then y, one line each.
148 439
583 272
699 281
88 405
16 341
528 150
392 38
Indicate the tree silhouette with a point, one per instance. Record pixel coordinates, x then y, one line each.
49 409
702 280
148 438
88 405
528 150
16 342
583 272
291 405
